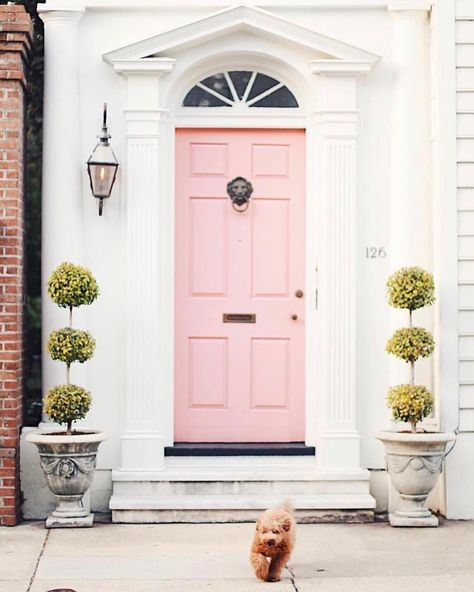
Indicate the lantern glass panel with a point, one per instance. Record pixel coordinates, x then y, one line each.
102 178
102 166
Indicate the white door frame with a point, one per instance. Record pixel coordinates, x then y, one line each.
330 117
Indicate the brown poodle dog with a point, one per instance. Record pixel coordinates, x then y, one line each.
273 542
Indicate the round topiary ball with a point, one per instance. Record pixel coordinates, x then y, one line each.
66 403
411 288
72 285
409 402
411 343
70 345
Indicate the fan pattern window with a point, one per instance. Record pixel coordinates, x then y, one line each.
228 89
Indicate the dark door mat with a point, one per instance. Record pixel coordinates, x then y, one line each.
239 449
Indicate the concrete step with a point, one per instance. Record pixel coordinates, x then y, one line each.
239 502
231 489
239 508
241 462
265 487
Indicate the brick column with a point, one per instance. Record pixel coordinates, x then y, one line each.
15 38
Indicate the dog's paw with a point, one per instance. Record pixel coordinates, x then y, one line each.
273 579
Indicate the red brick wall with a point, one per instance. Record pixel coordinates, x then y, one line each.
15 35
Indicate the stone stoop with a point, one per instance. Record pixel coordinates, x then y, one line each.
236 489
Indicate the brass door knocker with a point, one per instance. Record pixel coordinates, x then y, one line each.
239 190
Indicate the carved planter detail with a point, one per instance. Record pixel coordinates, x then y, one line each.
414 463
68 463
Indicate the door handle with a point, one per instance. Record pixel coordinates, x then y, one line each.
294 317
299 294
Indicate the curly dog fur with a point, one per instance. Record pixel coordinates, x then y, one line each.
273 542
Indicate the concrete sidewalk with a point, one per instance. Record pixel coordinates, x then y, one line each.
214 558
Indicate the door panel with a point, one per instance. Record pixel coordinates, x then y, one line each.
239 381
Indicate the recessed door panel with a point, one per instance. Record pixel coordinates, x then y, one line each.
270 373
270 247
207 359
208 246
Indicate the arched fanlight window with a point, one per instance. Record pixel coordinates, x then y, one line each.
227 89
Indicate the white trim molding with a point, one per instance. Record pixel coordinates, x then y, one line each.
237 19
142 440
146 67
166 4
341 67
338 441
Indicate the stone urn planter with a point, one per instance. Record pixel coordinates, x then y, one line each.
414 464
68 463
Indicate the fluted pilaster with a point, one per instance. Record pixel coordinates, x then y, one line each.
147 349
338 441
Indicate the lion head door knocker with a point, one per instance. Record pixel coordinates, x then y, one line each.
239 190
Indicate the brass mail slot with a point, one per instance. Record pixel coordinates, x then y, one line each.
235 317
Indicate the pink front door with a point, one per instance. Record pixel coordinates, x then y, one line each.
239 381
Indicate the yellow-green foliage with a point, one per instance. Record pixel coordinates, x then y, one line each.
70 345
411 343
411 288
66 403
409 402
72 285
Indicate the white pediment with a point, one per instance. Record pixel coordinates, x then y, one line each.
241 18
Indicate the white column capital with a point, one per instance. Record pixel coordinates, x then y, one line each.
144 123
337 81
143 81
410 7
70 15
340 67
337 93
143 67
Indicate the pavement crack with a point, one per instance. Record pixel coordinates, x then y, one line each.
292 578
43 547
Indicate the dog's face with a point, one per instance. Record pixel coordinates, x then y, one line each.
272 534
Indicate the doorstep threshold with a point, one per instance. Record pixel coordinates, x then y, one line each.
240 449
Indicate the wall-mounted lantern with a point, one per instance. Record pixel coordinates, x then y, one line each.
102 166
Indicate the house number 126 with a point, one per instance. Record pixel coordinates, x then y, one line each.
375 252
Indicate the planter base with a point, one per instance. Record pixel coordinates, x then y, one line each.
69 522
396 520
414 463
68 462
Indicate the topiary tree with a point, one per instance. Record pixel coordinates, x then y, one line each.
410 288
70 286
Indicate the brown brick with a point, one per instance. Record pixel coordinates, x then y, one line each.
15 38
